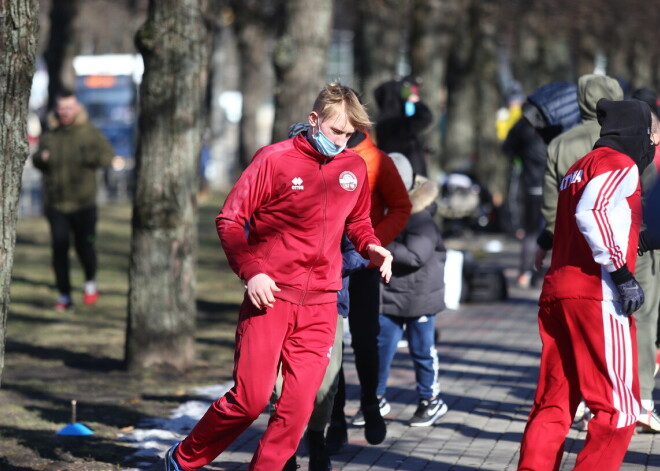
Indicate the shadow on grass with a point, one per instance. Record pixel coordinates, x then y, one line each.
49 445
210 308
83 361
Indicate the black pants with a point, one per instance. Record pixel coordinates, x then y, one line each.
82 224
364 289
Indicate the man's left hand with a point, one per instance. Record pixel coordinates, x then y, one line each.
381 257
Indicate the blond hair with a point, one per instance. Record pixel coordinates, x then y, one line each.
335 95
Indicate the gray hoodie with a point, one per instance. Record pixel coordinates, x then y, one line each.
569 147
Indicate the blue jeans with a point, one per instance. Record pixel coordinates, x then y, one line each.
420 332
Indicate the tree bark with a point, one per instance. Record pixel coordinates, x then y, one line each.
380 41
300 59
255 24
430 37
175 42
18 41
471 142
60 51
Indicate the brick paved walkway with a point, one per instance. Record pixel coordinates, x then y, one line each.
489 357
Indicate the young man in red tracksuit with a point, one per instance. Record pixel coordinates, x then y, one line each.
588 296
298 197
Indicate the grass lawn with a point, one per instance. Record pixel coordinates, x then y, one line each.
52 358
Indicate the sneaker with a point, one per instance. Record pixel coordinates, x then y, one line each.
582 417
291 464
336 436
319 460
64 304
91 298
170 462
648 421
525 280
375 429
384 407
428 411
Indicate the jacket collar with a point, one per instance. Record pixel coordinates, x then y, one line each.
302 144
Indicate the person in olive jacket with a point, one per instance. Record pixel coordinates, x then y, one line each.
68 156
414 296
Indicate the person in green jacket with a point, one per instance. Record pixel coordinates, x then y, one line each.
570 146
69 155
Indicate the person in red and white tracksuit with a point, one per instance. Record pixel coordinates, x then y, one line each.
297 198
588 296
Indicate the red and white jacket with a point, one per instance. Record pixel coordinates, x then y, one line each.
599 213
298 203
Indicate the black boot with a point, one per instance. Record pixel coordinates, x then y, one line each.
375 429
291 464
336 437
318 455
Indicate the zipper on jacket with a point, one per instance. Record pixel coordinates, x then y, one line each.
318 255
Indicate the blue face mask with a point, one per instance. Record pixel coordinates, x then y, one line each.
324 145
409 108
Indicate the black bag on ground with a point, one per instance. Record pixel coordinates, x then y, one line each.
485 283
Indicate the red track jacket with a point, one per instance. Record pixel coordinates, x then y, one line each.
298 203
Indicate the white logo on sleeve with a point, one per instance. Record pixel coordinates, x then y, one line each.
348 181
297 184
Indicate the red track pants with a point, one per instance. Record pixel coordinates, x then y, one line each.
300 337
589 351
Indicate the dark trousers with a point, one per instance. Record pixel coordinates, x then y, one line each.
82 224
364 289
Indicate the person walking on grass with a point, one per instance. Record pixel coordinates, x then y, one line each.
69 156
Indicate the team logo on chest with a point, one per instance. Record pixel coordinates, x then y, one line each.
297 184
348 181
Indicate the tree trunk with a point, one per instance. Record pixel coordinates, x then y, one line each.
60 51
459 152
18 41
380 40
254 33
430 36
300 59
492 167
474 98
176 43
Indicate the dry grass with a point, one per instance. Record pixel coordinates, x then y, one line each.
52 358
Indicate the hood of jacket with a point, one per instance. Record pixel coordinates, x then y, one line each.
388 98
591 88
625 126
423 194
552 109
81 118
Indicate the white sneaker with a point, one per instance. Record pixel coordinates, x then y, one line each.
383 406
648 421
582 417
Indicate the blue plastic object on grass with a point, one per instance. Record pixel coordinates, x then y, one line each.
75 428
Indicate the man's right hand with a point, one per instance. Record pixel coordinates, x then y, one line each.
260 289
539 258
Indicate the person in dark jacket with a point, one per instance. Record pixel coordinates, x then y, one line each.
523 142
414 296
69 156
402 116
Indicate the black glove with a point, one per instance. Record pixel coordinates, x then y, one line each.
544 240
631 293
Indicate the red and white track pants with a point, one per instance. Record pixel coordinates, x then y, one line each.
300 337
589 351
